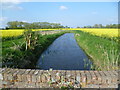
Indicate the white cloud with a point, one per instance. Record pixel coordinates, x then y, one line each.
11 5
63 8
14 1
10 1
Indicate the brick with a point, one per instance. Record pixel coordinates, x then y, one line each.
31 85
5 70
5 74
103 77
43 85
98 78
27 78
113 86
0 83
108 77
93 77
78 79
19 74
104 86
39 75
87 73
92 86
72 77
36 72
115 73
25 75
39 85
62 75
29 75
16 72
43 77
11 75
67 76
113 77
1 77
47 74
2 69
34 76
83 79
57 75
21 84
7 83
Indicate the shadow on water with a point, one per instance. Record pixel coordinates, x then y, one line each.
64 54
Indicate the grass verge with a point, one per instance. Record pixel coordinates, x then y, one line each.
14 54
103 51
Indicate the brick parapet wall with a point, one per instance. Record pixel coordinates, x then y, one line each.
27 78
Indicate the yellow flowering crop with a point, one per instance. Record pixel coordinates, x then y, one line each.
17 32
11 33
94 31
102 32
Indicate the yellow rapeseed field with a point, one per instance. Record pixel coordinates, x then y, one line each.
99 32
11 33
17 32
102 32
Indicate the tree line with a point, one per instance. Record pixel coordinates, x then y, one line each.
47 25
34 25
103 26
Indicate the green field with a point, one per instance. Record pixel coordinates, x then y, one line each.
103 52
15 55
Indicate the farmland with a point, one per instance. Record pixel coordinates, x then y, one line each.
103 52
102 32
99 44
99 32
11 33
14 51
15 32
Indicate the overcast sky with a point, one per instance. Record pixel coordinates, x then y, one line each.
72 14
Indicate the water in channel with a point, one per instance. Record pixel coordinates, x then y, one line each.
64 54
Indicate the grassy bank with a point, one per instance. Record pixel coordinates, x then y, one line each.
14 54
103 51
